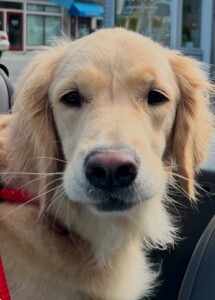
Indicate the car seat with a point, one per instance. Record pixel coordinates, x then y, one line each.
185 269
199 279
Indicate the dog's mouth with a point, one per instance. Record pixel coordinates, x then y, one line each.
114 204
112 201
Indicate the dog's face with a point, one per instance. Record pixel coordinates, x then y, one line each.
114 107
124 109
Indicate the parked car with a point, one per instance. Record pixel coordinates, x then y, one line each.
4 42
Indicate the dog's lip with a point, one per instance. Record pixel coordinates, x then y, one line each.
114 204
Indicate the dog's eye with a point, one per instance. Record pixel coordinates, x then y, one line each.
73 98
156 97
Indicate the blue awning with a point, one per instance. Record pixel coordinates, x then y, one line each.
64 3
84 9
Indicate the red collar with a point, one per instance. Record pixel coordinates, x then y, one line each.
20 196
14 196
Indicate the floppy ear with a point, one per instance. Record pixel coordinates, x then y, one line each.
4 123
31 134
194 119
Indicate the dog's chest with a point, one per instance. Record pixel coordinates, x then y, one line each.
41 266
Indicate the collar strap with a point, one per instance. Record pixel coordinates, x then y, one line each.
20 196
14 196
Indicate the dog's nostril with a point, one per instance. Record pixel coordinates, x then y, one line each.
126 172
108 170
99 173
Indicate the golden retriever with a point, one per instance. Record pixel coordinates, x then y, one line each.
99 126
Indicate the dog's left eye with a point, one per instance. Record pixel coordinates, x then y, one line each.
73 98
156 97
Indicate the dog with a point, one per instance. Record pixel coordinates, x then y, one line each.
99 127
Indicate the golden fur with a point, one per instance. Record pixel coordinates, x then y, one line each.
47 142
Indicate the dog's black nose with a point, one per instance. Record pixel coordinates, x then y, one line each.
108 170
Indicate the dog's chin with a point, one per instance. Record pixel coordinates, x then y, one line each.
114 205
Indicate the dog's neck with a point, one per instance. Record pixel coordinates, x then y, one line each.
21 197
104 236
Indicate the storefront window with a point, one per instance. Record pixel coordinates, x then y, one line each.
191 24
148 17
34 7
84 26
11 5
42 29
99 23
1 20
53 9
47 8
34 30
52 28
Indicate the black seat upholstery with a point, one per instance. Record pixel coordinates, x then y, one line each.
199 280
193 222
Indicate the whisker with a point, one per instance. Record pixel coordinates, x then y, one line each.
55 215
169 201
23 204
60 178
196 184
31 173
59 196
137 194
52 158
54 199
29 182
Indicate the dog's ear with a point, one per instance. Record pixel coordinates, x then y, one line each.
194 119
31 143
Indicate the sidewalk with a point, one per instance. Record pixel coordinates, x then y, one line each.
16 62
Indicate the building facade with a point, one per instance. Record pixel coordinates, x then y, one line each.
85 16
31 24
187 25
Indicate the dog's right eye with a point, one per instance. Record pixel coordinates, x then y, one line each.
156 97
73 98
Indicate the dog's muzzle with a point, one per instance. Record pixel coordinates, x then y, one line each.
111 173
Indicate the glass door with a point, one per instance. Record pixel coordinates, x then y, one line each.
196 29
1 20
14 30
191 24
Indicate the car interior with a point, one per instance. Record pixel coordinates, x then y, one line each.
187 271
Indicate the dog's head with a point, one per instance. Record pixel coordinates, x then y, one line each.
120 111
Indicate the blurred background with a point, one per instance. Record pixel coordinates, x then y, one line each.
186 25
